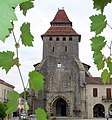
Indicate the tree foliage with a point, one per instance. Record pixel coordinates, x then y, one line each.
98 42
2 110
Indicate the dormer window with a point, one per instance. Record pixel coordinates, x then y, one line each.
50 39
57 39
64 39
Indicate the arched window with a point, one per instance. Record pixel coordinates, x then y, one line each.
50 39
99 111
64 39
57 39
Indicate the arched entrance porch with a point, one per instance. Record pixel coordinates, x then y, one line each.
99 111
60 107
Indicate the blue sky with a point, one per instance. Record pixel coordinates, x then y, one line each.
40 17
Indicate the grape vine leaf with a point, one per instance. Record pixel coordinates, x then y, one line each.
98 59
7 15
105 76
12 103
26 6
98 43
41 114
7 61
100 4
36 80
109 65
98 23
27 37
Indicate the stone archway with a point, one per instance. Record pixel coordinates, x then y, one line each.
60 106
99 111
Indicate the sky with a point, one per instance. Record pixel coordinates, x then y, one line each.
40 16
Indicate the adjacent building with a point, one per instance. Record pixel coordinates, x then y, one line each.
4 89
70 90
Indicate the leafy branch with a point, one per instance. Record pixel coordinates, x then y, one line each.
8 59
98 24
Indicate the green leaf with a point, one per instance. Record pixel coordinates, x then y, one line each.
98 43
26 6
100 4
105 76
41 114
7 15
36 80
26 36
12 103
109 65
97 57
7 61
98 23
98 60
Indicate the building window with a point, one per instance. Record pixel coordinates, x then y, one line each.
59 65
70 39
65 48
108 93
53 49
64 39
57 39
95 92
50 39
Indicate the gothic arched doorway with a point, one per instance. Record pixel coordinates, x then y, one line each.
99 111
60 107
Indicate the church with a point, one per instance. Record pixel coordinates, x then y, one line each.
70 90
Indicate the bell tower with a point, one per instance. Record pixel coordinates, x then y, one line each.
63 71
61 38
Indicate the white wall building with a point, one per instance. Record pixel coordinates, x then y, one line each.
4 89
98 97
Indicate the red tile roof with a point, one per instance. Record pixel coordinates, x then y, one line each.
61 17
95 80
61 30
61 26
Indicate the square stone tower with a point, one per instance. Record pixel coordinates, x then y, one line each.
64 74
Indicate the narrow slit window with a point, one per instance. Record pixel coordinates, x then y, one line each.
53 49
65 48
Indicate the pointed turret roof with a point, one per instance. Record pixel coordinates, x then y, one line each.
61 26
61 17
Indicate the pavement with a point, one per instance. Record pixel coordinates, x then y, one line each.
17 118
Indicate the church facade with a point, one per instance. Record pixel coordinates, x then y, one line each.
68 87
